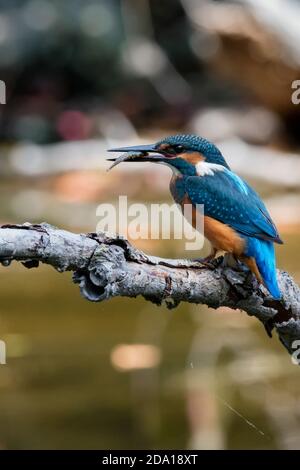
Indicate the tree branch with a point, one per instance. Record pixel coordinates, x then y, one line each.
106 267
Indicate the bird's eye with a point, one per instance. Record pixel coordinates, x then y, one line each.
178 148
171 150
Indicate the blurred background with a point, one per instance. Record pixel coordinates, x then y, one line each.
81 76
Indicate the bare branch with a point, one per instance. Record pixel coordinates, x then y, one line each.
106 267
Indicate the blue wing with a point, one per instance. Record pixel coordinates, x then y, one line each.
229 199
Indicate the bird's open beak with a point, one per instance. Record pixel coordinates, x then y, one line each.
138 153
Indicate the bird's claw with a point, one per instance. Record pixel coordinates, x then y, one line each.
208 262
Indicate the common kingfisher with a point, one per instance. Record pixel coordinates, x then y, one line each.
236 220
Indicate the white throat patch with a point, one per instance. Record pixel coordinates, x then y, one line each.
204 168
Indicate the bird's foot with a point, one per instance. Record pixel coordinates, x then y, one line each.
208 261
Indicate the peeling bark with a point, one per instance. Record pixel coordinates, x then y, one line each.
106 267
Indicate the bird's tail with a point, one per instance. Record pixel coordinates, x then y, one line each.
264 254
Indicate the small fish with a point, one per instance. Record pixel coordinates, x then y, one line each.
126 157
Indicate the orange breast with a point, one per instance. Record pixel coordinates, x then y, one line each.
223 237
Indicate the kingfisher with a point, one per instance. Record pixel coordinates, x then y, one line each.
236 220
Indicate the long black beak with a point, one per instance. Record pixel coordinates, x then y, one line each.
137 153
135 148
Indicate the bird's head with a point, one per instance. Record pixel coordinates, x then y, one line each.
185 154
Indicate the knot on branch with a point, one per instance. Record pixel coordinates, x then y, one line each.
98 281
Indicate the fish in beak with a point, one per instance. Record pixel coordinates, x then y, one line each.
138 153
126 157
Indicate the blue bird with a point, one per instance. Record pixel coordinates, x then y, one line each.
235 218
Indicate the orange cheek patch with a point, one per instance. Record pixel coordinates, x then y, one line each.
192 157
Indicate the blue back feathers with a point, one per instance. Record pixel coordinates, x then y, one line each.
226 200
